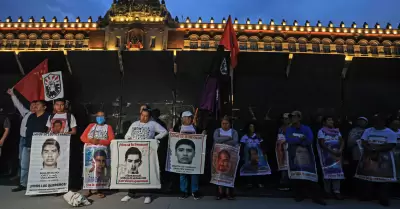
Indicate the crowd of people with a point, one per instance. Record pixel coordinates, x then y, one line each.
291 134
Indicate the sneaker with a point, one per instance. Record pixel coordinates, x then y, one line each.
126 198
196 195
18 189
184 196
147 200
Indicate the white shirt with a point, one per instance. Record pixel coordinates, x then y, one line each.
143 131
326 137
188 129
25 113
385 136
98 132
63 118
227 133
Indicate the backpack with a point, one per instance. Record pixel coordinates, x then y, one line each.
69 115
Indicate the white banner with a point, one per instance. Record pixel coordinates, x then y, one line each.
53 85
186 153
134 164
49 164
96 167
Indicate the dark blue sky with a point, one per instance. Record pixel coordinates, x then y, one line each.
370 11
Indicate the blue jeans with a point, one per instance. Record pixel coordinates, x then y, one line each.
21 146
25 160
184 179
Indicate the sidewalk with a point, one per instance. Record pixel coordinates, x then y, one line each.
9 200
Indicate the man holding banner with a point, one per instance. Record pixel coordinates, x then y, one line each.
141 135
302 168
35 123
186 155
377 167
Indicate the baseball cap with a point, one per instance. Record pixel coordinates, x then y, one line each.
187 114
296 113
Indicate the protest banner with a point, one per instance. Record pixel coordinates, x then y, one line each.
331 165
280 151
396 156
49 164
186 153
97 167
376 166
225 160
301 162
134 164
256 163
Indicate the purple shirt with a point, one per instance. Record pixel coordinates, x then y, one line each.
293 135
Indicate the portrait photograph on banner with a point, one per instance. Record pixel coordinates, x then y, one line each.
376 167
396 156
97 167
49 164
280 152
255 162
134 164
331 165
225 160
53 85
186 153
301 162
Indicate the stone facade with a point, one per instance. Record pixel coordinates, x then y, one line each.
147 25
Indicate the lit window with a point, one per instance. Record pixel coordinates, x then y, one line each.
387 50
152 42
374 50
339 48
350 49
194 45
303 47
327 48
205 44
267 47
316 48
254 45
243 45
363 50
278 46
292 47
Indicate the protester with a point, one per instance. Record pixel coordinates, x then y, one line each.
281 152
376 143
98 133
252 141
25 113
187 127
144 129
229 136
35 123
331 147
4 130
68 120
301 137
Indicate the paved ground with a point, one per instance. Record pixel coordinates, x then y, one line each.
10 200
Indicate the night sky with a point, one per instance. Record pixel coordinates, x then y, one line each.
370 11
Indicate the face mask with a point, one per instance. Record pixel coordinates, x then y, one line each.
100 119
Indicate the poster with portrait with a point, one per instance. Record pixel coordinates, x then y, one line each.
134 164
280 151
330 164
396 155
49 164
186 153
255 162
96 167
53 85
225 160
301 162
376 166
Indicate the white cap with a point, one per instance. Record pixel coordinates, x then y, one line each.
187 114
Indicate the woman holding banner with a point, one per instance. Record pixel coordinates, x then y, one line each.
144 129
330 147
280 150
186 150
98 133
255 164
225 135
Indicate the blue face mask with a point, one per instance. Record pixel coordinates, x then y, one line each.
100 119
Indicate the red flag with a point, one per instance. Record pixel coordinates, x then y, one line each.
229 41
31 86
